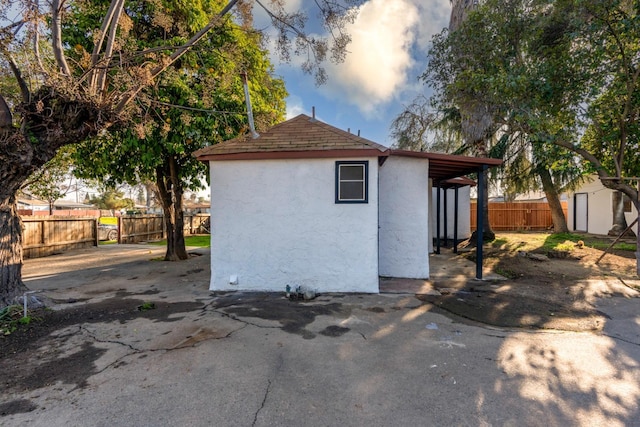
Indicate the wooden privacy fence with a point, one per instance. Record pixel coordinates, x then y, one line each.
47 235
514 216
142 228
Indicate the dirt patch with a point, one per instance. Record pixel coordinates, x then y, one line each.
514 311
73 369
546 289
573 262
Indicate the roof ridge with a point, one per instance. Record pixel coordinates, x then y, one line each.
298 134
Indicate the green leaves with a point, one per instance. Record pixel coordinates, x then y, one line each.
563 73
197 102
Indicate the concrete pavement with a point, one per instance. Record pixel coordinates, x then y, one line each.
247 359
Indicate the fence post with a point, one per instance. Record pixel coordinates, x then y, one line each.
44 229
96 237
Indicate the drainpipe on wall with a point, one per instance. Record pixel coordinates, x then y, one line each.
247 98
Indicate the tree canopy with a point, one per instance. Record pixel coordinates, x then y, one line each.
196 102
60 92
561 72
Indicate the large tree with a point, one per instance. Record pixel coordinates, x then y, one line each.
464 66
196 102
477 125
540 63
61 101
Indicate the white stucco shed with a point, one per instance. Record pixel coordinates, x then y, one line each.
307 204
590 208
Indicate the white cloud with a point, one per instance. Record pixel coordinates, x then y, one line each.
379 55
295 106
390 39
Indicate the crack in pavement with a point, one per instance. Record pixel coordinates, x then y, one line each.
90 333
621 339
166 349
267 390
264 400
495 336
134 350
246 322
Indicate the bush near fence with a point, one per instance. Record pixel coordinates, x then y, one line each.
518 216
48 235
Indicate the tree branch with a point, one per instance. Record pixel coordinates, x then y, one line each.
56 35
128 97
276 18
24 89
102 75
98 74
34 20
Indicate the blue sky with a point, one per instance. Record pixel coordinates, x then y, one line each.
390 39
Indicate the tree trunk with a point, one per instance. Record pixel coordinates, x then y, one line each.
553 199
170 192
149 189
619 219
488 235
11 285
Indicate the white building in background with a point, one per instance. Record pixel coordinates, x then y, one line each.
448 209
590 208
307 204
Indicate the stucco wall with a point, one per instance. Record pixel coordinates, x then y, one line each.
599 208
275 223
464 212
404 217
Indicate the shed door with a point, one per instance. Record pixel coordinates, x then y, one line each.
580 213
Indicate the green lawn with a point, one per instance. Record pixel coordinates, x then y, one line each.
197 241
544 242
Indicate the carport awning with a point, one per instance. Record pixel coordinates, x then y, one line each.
446 166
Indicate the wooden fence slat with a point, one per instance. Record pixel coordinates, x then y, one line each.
140 228
46 235
514 216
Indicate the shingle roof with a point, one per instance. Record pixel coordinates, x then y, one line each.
303 137
301 134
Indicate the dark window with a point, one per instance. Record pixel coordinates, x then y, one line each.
351 182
